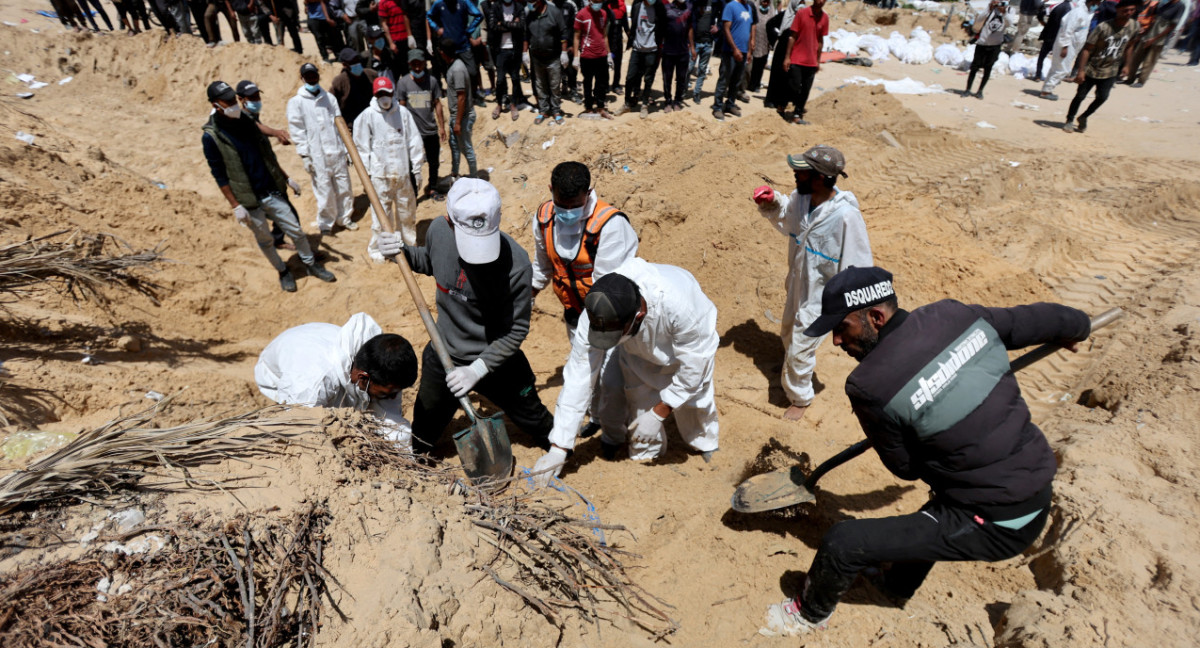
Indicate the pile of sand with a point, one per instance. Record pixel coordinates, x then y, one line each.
951 216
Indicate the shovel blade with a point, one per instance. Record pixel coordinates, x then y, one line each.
770 491
485 451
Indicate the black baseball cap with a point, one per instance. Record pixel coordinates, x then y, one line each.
219 90
247 88
348 55
850 290
613 302
374 31
308 68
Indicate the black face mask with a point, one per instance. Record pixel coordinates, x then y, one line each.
805 188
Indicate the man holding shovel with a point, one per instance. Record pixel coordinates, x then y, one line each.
484 286
938 401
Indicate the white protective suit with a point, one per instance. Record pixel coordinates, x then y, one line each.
310 365
311 125
390 147
1072 34
824 242
669 359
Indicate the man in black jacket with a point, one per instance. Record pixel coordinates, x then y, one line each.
937 399
506 40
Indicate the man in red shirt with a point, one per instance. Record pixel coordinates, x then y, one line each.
591 45
399 33
805 41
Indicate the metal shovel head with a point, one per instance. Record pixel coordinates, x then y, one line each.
770 491
484 450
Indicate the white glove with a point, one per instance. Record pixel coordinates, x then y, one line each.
412 42
429 46
417 180
562 58
389 243
462 379
307 163
549 466
647 428
241 215
575 62
295 186
525 59
610 60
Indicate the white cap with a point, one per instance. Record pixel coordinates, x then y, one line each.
474 209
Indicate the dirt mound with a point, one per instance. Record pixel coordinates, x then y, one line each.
117 150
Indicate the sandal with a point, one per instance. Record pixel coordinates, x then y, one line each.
496 112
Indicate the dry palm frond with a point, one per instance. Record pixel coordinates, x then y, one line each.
123 451
557 562
254 581
80 266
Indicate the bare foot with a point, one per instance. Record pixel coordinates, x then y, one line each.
795 413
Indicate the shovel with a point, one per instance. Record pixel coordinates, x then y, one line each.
788 487
483 447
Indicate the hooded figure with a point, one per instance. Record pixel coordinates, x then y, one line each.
825 240
325 365
391 147
311 114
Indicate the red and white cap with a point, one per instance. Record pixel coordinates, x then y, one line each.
382 84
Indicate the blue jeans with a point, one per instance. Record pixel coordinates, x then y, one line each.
703 56
462 142
277 208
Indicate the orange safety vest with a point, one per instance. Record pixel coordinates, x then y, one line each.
573 278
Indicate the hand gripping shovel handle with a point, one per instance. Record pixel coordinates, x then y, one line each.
1098 322
438 344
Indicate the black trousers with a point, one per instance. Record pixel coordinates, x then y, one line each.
757 66
328 37
912 543
778 90
642 67
433 147
595 82
1102 86
800 77
1047 45
674 68
510 387
616 45
508 68
985 57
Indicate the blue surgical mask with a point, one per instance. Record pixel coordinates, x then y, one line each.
568 216
596 6
651 2
418 74
530 5
313 88
254 106
356 69
508 2
379 43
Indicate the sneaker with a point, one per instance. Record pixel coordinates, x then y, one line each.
718 114
1136 85
625 108
1048 96
734 110
1082 127
645 111
348 224
589 430
743 97
799 121
979 95
539 119
785 620
317 270
1069 127
287 281
696 99
617 89
479 102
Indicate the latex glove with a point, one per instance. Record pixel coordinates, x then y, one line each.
412 42
764 195
525 60
549 466
389 243
564 60
610 60
575 62
417 180
295 186
429 46
462 379
647 428
241 215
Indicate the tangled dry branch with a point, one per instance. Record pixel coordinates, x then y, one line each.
81 265
121 452
554 561
254 581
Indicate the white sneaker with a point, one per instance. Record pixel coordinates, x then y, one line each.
348 224
784 620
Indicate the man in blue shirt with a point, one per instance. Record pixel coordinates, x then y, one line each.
738 40
456 20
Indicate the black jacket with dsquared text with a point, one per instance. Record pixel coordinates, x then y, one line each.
939 402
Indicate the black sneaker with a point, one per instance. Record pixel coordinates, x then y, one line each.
609 450
718 114
734 110
589 430
287 281
1082 127
317 270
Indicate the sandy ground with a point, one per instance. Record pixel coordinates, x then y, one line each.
1094 221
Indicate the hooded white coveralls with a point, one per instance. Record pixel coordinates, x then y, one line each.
669 359
311 125
390 146
1072 34
824 242
310 365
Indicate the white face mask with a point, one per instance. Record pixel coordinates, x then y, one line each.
233 112
384 102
